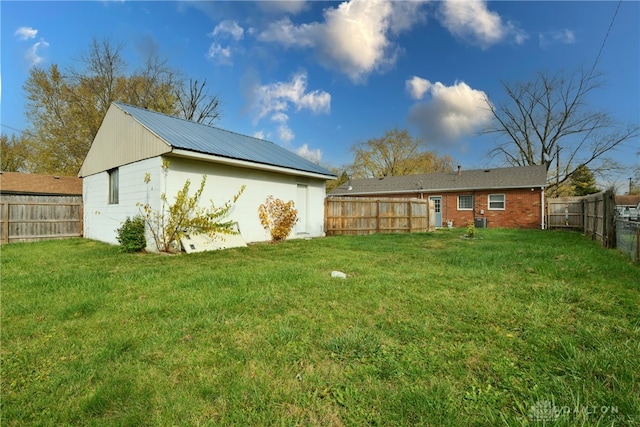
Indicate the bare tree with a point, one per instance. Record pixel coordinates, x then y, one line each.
153 87
195 103
66 109
548 121
396 153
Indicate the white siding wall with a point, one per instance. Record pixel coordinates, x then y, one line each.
224 181
101 219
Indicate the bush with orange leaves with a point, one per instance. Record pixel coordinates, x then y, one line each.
278 217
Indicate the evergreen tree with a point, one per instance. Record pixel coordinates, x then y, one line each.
583 181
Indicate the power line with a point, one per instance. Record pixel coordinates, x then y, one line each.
23 132
11 127
606 36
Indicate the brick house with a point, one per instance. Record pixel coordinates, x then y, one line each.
501 197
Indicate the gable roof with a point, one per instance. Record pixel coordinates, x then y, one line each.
478 179
187 136
27 183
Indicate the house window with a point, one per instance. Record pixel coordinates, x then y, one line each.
496 202
114 186
465 203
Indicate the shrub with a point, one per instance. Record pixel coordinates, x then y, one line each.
131 235
169 224
278 217
471 230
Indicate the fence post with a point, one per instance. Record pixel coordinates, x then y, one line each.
611 218
5 222
410 216
377 216
326 215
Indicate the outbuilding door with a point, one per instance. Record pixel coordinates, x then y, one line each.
437 204
301 207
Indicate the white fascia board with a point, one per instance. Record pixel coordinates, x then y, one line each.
246 164
502 187
434 190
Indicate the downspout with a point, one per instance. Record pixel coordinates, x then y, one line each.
473 220
542 207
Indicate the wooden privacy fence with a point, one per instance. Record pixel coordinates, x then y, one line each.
565 212
600 218
594 215
359 215
26 218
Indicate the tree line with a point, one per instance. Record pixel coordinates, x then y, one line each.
65 108
546 120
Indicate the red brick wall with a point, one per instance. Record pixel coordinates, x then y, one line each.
522 208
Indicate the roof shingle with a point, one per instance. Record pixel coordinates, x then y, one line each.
16 182
496 178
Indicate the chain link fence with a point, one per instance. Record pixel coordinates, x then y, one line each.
628 238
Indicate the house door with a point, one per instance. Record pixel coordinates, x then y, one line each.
301 206
437 204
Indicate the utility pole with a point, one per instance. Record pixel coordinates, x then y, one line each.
557 167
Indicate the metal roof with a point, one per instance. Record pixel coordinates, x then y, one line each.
478 179
197 137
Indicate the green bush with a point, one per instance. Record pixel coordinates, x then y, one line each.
471 230
131 235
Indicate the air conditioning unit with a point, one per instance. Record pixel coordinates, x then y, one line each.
480 222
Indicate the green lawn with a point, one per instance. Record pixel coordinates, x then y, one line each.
512 328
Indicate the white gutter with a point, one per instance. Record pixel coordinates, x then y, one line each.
431 190
246 164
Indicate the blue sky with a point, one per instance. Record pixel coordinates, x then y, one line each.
317 77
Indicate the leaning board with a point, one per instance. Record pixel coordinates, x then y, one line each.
192 243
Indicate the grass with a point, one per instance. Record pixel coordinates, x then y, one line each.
428 329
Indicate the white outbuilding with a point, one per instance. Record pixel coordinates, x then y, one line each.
124 168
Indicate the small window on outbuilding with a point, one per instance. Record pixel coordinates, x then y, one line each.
114 186
465 203
496 202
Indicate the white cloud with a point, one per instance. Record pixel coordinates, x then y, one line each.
355 37
417 87
222 55
230 28
557 36
26 33
285 133
312 155
290 35
470 20
280 117
278 97
283 6
450 113
33 56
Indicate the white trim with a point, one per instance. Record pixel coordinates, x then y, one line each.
504 202
246 164
431 198
458 202
347 193
113 183
543 207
